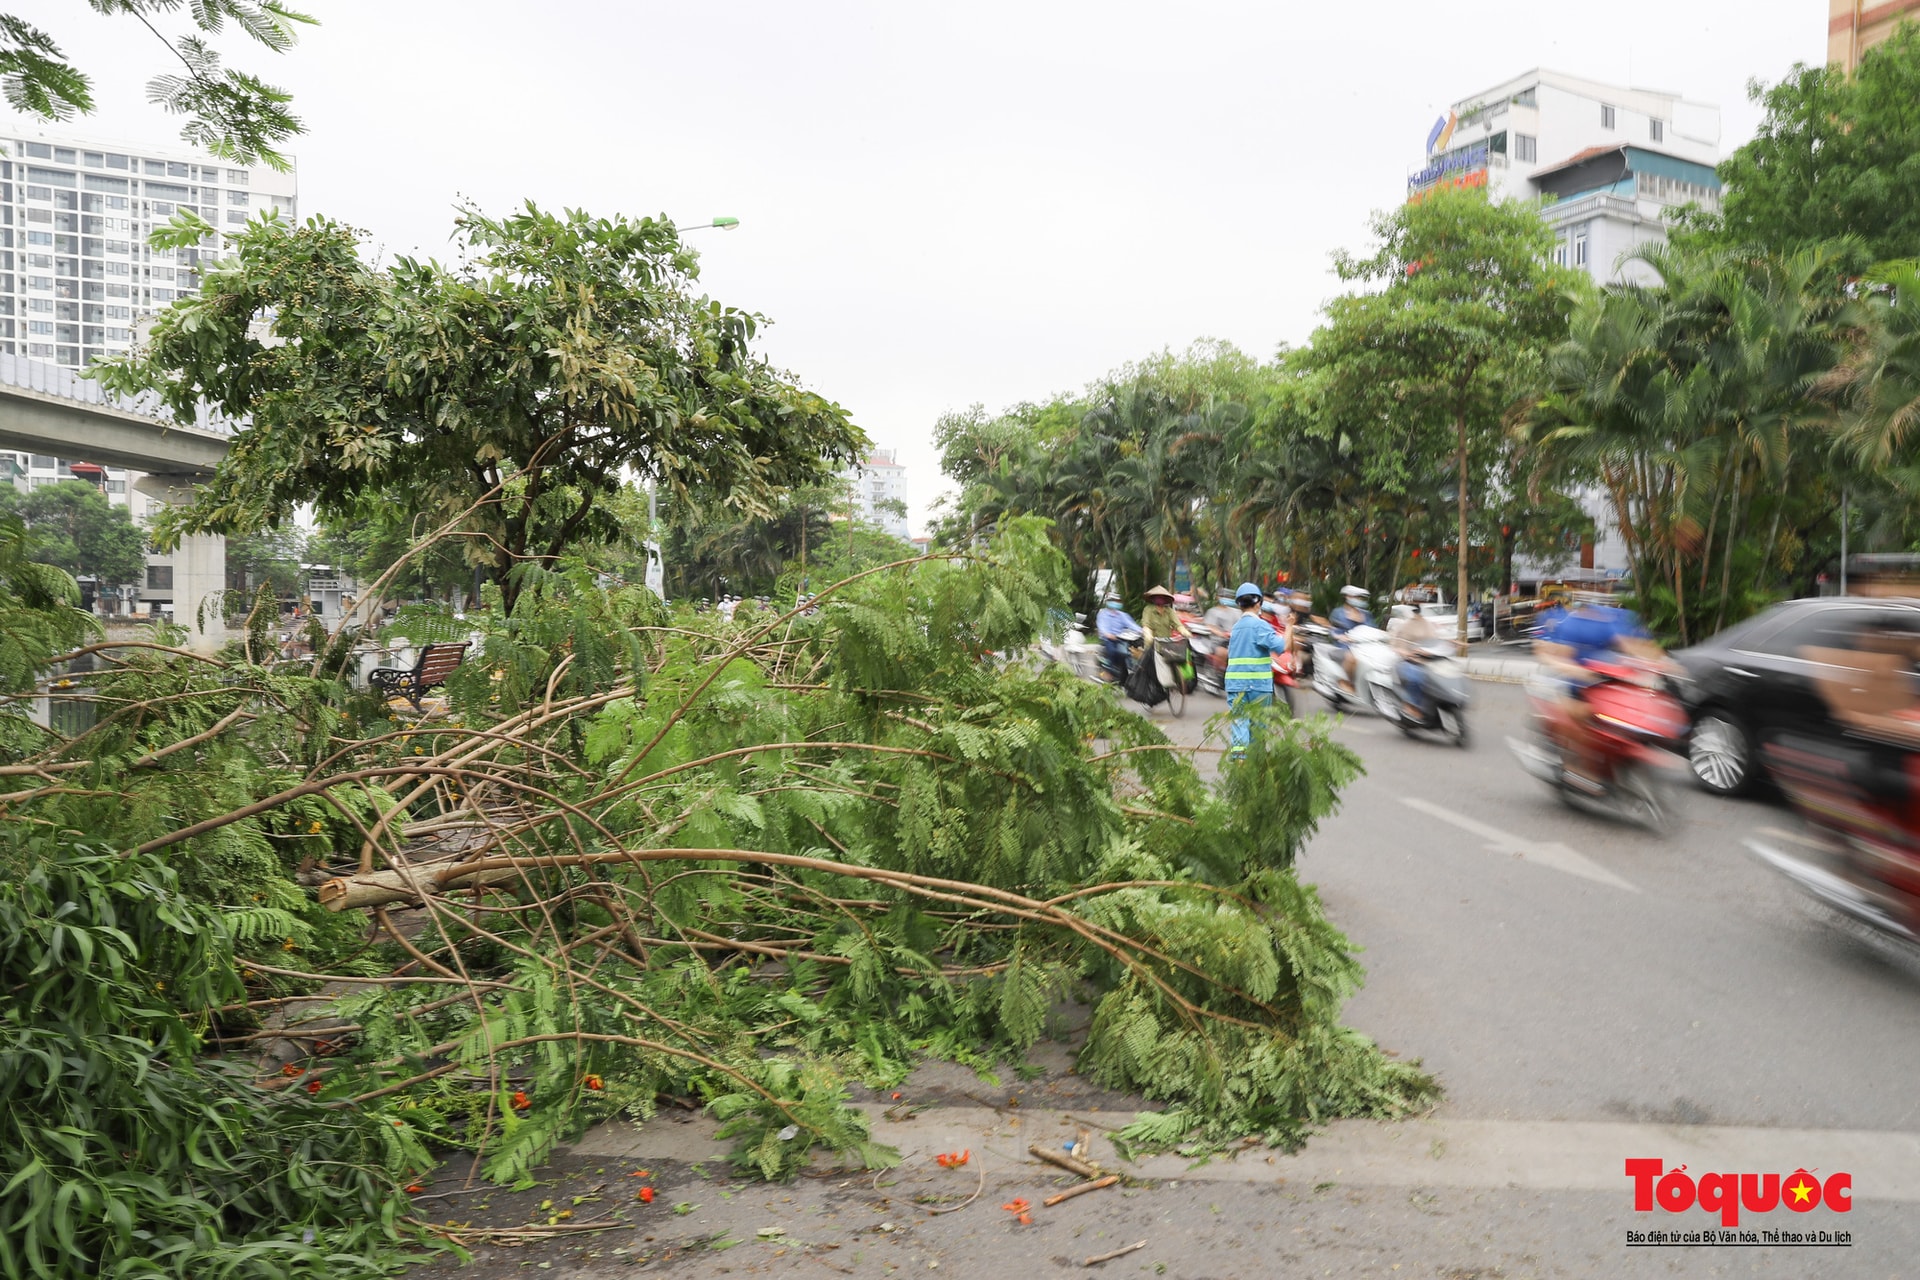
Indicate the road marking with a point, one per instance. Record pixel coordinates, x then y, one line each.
1546 854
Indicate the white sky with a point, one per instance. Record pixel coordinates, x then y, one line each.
941 204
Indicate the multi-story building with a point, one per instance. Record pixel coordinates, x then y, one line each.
77 275
1615 165
1619 163
76 271
878 484
1854 26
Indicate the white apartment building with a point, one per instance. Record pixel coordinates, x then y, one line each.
77 275
1617 162
76 272
879 479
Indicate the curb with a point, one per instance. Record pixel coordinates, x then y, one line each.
1501 670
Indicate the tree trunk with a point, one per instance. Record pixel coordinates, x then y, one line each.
1460 590
1726 559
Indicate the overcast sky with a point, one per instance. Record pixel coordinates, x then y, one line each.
975 201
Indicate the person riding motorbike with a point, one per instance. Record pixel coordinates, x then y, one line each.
1250 650
1413 635
1222 615
1351 612
1159 618
1593 630
1113 623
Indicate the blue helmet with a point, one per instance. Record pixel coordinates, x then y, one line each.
1249 589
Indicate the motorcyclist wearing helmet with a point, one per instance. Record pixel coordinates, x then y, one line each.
1351 612
1114 623
1250 649
1593 630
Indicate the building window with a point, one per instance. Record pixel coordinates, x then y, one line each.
1580 250
1606 116
1657 130
160 577
1526 148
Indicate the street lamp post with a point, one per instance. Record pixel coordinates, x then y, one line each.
656 557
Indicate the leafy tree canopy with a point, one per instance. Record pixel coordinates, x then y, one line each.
231 114
76 528
1835 156
1460 301
514 390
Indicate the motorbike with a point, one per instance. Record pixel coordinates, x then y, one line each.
1860 854
1284 681
1442 706
1375 671
1209 649
1637 730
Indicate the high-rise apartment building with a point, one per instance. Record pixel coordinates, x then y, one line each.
1854 26
878 483
76 272
1618 162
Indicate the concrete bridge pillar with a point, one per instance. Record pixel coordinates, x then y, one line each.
199 569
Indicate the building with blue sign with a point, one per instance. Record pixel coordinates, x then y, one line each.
1618 163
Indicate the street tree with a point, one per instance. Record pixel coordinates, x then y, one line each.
77 529
1691 400
1458 302
1835 156
232 114
509 393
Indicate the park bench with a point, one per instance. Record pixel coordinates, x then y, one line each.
435 664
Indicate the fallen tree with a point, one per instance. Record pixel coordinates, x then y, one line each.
637 857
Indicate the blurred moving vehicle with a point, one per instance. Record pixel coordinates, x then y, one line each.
1375 671
1858 787
1432 602
1437 702
1636 731
1753 683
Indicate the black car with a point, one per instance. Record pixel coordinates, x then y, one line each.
1752 682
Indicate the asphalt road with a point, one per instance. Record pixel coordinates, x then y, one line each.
1585 992
1617 976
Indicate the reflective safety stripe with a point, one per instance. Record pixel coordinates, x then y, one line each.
1256 663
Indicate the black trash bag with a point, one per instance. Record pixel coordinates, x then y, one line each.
1144 686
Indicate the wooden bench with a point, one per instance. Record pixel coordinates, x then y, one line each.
435 664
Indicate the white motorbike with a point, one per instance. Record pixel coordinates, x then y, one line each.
1376 673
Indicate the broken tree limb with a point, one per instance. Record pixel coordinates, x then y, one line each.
1099 1258
1081 1190
376 888
1065 1161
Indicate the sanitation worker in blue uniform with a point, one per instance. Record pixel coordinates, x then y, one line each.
1250 649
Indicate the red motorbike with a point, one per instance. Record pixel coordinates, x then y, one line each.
1283 666
1623 757
1860 854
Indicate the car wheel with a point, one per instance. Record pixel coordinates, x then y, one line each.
1721 754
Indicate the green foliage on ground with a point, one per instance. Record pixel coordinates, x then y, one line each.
127 1152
